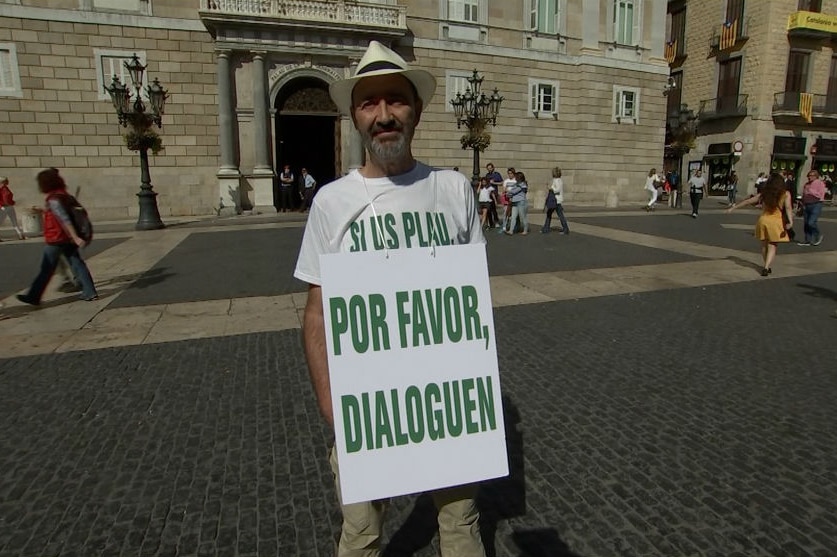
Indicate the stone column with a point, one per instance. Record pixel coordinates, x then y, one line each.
229 177
590 27
356 150
262 181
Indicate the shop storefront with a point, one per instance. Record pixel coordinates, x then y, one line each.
788 156
720 160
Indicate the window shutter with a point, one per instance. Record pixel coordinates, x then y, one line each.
483 12
610 19
532 14
554 93
533 104
6 70
637 23
558 14
456 10
617 104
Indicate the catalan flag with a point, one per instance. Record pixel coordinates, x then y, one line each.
671 51
806 106
729 34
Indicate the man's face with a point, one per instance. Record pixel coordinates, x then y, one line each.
698 173
386 112
490 168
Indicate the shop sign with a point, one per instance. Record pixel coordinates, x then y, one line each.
812 21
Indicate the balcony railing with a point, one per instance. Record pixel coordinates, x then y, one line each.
341 12
723 107
787 103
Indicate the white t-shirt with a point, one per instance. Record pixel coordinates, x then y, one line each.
485 194
651 182
420 208
508 183
558 190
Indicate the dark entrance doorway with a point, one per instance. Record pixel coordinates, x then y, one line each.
307 133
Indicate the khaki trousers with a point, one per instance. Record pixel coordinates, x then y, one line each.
459 531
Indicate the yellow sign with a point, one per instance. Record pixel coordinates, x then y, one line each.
813 21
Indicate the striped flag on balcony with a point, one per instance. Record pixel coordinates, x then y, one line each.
671 51
729 34
806 106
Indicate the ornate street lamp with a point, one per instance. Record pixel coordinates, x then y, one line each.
473 109
141 137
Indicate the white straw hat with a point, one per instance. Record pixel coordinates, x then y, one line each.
380 60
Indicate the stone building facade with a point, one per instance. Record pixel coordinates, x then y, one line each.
746 69
582 82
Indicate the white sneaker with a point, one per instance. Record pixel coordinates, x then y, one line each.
819 240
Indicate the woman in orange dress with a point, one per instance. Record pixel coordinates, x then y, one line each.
775 224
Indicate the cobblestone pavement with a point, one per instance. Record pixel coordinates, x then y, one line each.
682 422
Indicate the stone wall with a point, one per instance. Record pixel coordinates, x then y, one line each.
61 121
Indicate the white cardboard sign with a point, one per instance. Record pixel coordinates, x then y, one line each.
412 362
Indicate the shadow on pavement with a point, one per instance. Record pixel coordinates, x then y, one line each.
498 500
819 292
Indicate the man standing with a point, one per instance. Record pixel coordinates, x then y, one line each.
697 189
732 188
495 180
286 184
813 195
308 187
385 99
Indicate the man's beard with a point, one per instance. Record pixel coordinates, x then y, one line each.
391 150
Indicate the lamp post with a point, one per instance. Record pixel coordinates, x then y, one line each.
141 137
476 110
681 130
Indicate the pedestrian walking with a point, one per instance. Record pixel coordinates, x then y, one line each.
554 203
813 196
652 182
732 188
775 224
309 186
495 180
61 238
697 189
508 184
485 193
674 190
519 205
385 99
7 207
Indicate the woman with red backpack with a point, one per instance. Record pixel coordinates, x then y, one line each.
61 238
7 207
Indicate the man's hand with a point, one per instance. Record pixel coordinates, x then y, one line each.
79 241
313 337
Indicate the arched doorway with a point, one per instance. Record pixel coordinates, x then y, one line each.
307 131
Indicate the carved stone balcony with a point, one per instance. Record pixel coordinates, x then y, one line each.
344 17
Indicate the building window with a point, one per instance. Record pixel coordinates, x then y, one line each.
625 105
455 82
545 16
9 73
735 12
130 6
810 5
543 98
676 36
626 21
110 63
799 63
464 10
729 81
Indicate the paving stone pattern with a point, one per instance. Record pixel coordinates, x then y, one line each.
676 423
261 263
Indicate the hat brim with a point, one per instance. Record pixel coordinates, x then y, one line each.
341 91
